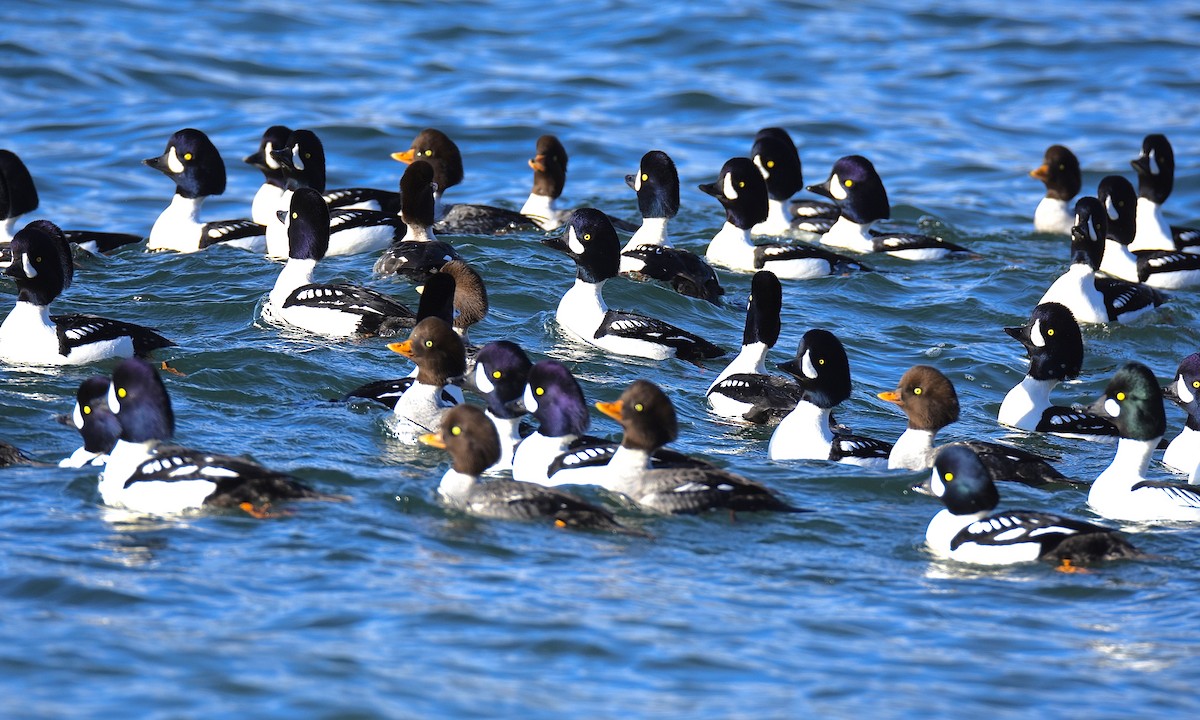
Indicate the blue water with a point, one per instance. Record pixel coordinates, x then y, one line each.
390 606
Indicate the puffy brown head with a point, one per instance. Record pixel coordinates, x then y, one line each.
927 397
469 437
646 415
436 349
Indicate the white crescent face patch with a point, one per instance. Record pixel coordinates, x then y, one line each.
728 189
1183 390
1112 407
173 163
30 270
806 365
573 241
1035 334
113 403
936 485
1112 209
835 188
296 160
482 381
758 163
637 181
531 403
267 150
77 416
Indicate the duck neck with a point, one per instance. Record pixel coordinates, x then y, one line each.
455 487
804 434
848 234
122 462
777 222
945 526
509 430
295 274
627 464
1129 463
1024 404
752 360
652 232
912 451
540 209
1152 231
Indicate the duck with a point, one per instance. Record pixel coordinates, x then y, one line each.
1091 298
97 425
928 399
501 374
440 357
744 390
268 198
436 147
970 529
1183 453
19 198
649 422
1164 269
776 157
42 268
194 164
419 254
553 396
357 225
474 446
856 187
1060 173
10 456
549 165
1155 168
806 433
741 190
145 476
649 254
441 298
591 242
329 309
1052 339
1122 491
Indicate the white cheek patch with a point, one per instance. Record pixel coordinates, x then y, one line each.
296 158
728 189
30 270
1035 334
762 168
573 241
173 163
835 188
806 365
1184 391
936 486
531 403
1112 407
77 416
113 403
271 162
482 381
1112 209
637 181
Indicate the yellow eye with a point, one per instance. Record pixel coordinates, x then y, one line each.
645 177
1196 383
428 343
428 153
638 407
121 392
948 477
770 163
496 374
456 430
1062 167
87 410
38 259
187 156
1120 396
848 183
539 391
916 391
587 236
821 361
307 156
741 183
295 215
1050 332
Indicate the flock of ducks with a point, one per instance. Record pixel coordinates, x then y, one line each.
1123 255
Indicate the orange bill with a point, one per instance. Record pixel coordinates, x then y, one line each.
611 409
405 156
890 396
536 163
432 440
404 348
1041 173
